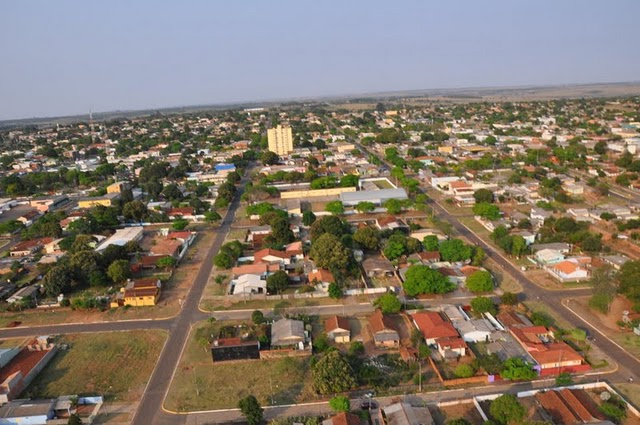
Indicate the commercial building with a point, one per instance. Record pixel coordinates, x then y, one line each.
122 236
280 140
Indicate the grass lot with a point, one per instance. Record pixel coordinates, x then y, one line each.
13 342
222 305
504 280
199 384
539 306
116 365
629 340
630 391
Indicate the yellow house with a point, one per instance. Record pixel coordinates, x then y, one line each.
117 187
138 293
107 200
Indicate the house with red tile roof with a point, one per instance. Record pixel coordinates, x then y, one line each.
343 418
451 347
338 329
433 326
383 331
272 256
323 276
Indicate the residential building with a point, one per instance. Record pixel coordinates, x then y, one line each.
138 293
280 140
338 329
433 326
343 418
288 332
405 414
383 331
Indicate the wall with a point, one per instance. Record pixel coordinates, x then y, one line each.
38 368
316 192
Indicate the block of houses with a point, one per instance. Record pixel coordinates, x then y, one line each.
224 349
338 329
383 331
433 326
138 293
287 332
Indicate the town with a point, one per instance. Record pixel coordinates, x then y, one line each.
395 261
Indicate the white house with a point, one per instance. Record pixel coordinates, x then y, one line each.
248 284
475 330
549 256
568 271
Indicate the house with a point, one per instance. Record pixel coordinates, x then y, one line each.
338 329
257 269
224 349
26 411
343 418
451 348
561 247
568 271
28 218
378 267
405 414
272 256
532 338
433 326
615 261
390 223
321 276
557 355
187 213
287 332
549 256
107 200
166 248
248 284
474 330
138 293
122 236
384 334
29 247
28 292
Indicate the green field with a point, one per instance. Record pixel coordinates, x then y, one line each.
116 365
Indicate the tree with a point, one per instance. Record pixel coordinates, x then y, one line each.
629 278
480 281
483 195
57 281
506 409
82 243
458 421
455 250
430 243
166 262
564 379
340 404
328 224
365 207
223 260
329 253
281 233
350 180
335 290
278 282
212 217
332 374
179 224
393 206
251 410
257 317
74 420
421 279
487 211
335 207
600 147
518 245
388 303
135 210
516 369
395 246
509 298
463 370
172 192
119 271
83 263
308 218
367 237
481 305
269 158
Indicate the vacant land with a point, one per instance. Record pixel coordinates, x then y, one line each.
116 365
198 381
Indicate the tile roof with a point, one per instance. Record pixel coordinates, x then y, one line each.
336 322
433 326
379 322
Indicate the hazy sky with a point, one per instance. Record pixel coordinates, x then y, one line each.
66 57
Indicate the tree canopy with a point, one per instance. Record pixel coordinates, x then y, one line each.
421 279
332 374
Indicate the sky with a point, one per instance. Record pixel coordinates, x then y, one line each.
68 57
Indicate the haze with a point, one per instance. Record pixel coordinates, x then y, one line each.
63 58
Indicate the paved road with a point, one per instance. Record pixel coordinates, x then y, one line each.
629 366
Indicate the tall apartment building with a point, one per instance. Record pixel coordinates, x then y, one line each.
280 140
